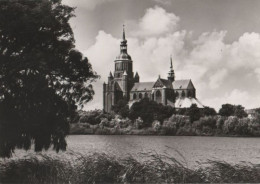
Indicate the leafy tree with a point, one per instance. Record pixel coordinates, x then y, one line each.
150 111
226 110
121 108
42 76
232 110
194 113
239 111
208 111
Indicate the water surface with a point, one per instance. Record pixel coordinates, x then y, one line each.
193 148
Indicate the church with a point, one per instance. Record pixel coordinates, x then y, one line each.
124 84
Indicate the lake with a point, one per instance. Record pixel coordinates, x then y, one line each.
193 148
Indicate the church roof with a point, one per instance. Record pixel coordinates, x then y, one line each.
183 84
160 83
167 83
143 86
187 102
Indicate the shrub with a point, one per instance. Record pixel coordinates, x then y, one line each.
230 124
156 125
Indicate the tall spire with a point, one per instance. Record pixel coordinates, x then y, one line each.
123 45
123 31
171 75
171 63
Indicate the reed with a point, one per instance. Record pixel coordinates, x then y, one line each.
103 168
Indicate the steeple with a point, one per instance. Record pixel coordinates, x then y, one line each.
124 32
123 61
171 76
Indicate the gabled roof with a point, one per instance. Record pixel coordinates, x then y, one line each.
166 83
143 86
183 84
162 83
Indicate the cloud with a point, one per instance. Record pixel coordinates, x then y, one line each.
235 97
156 22
257 71
163 2
221 72
217 78
86 4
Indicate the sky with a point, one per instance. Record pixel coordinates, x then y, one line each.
216 43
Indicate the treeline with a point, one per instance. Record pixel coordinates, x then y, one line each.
148 117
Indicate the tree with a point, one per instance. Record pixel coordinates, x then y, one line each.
121 108
226 110
42 76
208 111
239 111
194 113
232 110
150 111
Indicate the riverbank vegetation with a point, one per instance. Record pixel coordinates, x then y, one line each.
149 118
103 168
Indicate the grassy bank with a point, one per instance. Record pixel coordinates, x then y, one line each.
100 168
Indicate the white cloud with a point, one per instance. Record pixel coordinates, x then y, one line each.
216 79
156 22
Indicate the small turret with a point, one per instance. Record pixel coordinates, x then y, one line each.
137 78
110 77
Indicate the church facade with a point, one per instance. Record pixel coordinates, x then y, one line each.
124 84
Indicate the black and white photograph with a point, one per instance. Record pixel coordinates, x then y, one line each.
129 91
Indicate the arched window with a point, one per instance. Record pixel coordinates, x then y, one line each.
183 94
134 96
140 95
146 95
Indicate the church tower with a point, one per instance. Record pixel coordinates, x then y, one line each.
171 75
119 85
123 61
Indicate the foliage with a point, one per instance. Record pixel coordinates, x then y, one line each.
208 111
226 110
194 113
104 168
121 108
232 110
93 117
42 76
150 111
239 111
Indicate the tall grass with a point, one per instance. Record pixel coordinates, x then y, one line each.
103 168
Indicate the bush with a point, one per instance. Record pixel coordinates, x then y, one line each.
230 124
156 125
